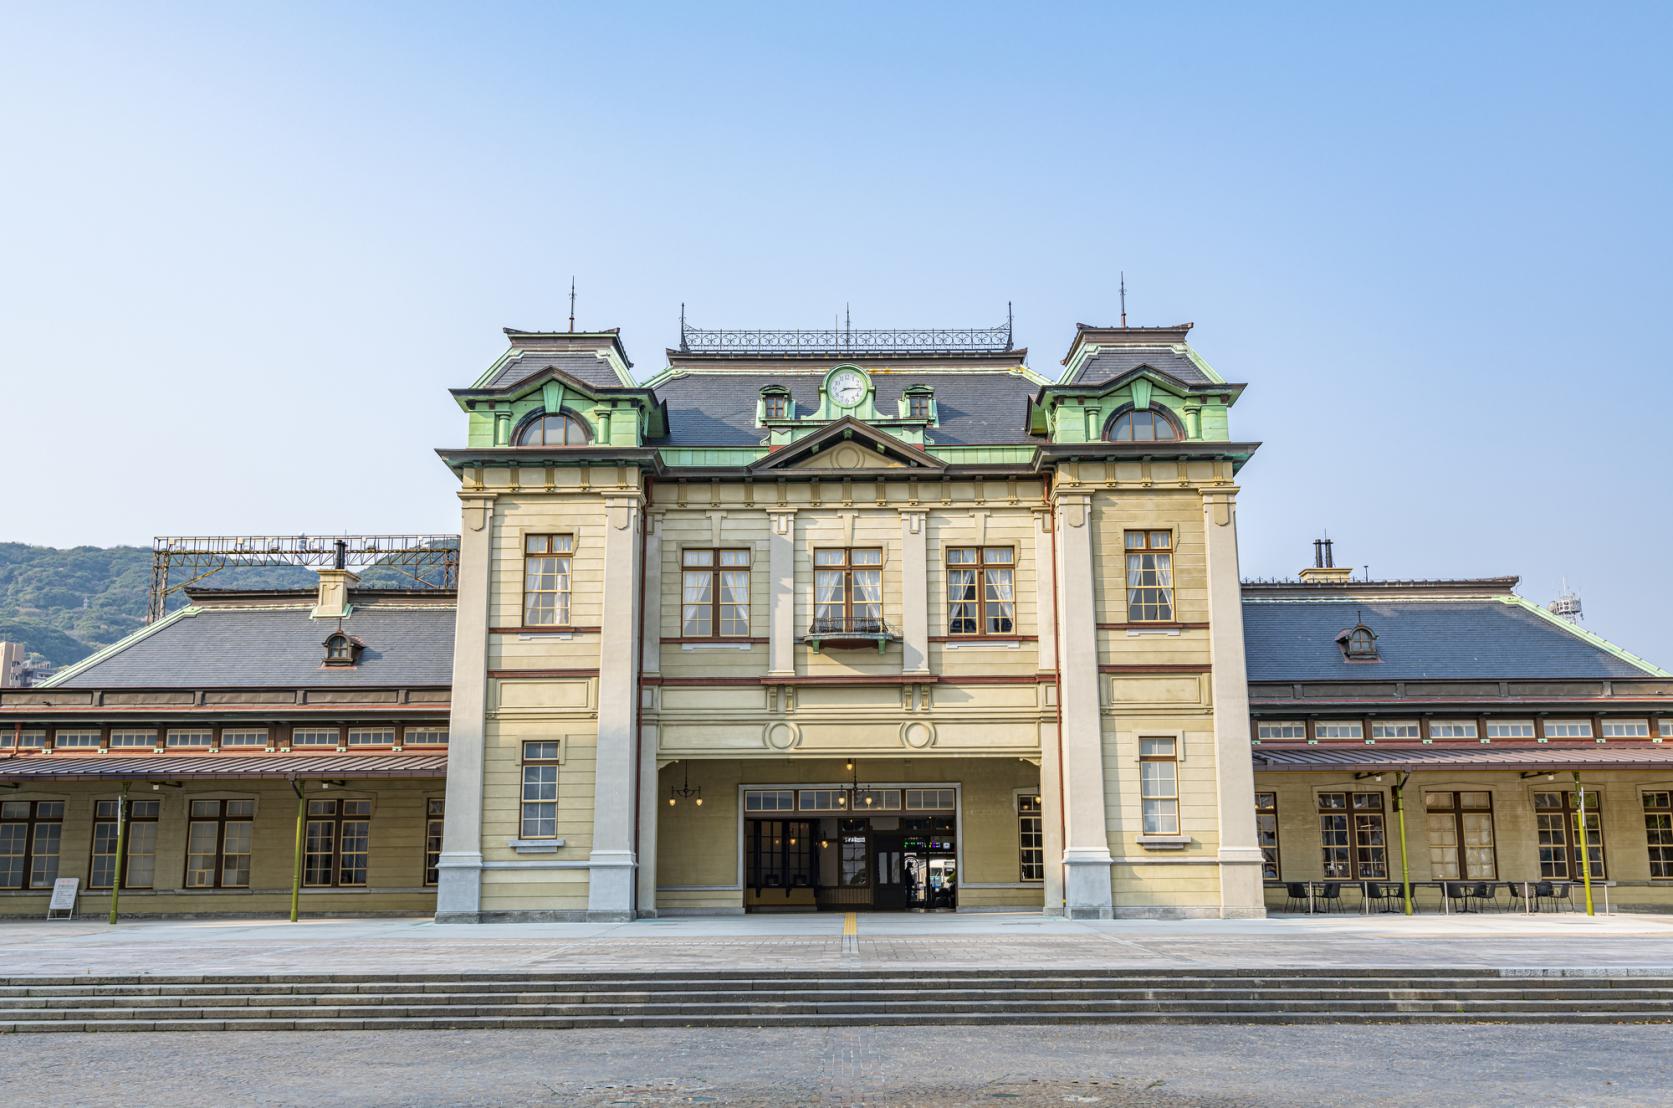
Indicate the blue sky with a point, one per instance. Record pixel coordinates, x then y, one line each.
247 248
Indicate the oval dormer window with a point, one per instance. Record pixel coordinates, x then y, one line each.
561 429
1147 425
341 650
1359 644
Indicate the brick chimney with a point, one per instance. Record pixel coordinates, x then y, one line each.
1324 570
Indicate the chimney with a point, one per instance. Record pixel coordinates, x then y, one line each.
1324 570
334 586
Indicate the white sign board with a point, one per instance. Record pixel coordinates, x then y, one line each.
64 892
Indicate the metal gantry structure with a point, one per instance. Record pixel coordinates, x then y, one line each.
179 561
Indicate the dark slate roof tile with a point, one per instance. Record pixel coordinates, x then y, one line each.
718 409
1112 362
582 366
232 646
1295 640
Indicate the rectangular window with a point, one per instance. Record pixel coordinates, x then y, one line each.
540 790
1266 833
1283 730
1460 826
243 737
192 737
1666 726
1452 729
75 740
981 590
714 594
1159 785
30 834
127 739
141 869
22 738
315 736
219 836
546 579
424 736
1392 730
778 854
1342 729
1658 830
434 809
1150 576
1568 728
1353 836
335 844
823 800
917 405
1556 816
848 591
1031 838
371 736
770 800
1510 729
1626 728
929 800
868 799
775 405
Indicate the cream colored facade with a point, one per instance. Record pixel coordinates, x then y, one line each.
1054 707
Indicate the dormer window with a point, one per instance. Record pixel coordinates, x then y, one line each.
560 429
775 403
342 649
1146 425
918 401
1359 644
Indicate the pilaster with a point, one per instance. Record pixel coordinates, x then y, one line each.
914 591
1051 762
1086 851
781 593
459 868
1240 856
611 883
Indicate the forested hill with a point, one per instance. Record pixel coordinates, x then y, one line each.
65 604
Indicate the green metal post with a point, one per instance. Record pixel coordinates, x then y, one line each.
1400 815
296 857
1585 847
121 851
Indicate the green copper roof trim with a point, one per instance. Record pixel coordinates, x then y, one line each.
118 646
710 455
1596 640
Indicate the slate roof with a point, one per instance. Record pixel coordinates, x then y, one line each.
718 409
582 365
1476 638
212 647
1111 362
62 767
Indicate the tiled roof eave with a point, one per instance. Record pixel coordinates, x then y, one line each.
1413 759
85 767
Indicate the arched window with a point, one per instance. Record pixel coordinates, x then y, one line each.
1147 425
561 429
1358 643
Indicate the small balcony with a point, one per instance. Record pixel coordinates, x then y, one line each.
849 632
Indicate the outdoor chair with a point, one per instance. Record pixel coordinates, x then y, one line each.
1331 895
1387 897
1544 892
1295 897
1560 899
1486 895
1457 892
1518 899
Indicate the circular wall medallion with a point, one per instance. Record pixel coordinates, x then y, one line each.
781 736
917 735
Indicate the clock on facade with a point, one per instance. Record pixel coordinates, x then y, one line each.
848 388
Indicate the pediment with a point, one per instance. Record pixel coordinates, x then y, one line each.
848 445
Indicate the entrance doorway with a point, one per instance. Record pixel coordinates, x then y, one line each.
852 862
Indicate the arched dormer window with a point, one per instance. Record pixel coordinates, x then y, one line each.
342 649
1143 425
1359 644
560 429
775 402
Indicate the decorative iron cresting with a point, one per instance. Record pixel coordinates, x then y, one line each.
846 340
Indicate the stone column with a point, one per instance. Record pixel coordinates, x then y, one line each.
1241 892
650 630
611 882
1051 769
914 591
1086 849
781 593
459 868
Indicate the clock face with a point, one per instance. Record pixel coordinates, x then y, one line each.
848 388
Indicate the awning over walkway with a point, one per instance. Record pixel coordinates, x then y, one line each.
281 766
1607 756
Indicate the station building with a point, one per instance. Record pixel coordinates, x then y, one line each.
851 620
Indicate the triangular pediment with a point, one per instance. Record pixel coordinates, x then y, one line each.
848 445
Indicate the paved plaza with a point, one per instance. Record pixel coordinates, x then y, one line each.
834 941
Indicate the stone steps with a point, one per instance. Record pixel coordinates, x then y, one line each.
826 998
